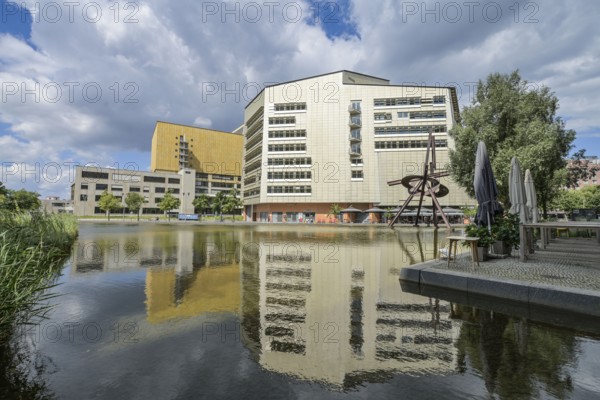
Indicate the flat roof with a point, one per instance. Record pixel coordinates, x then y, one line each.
197 127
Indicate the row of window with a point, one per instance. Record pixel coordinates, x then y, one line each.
289 189
290 161
409 130
292 133
427 114
408 101
291 175
288 147
282 120
408 144
290 106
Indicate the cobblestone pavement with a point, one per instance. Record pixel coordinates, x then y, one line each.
565 262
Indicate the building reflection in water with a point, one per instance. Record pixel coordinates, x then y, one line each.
320 304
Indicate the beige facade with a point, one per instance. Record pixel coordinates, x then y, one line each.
339 138
91 182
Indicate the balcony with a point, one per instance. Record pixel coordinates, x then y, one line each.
355 137
354 108
355 122
354 151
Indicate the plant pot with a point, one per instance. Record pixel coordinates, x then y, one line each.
482 253
499 247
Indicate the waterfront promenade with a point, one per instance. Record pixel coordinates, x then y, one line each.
565 276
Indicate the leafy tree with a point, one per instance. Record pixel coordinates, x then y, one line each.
513 119
168 203
134 202
19 200
201 203
108 202
232 203
218 203
579 169
335 210
586 197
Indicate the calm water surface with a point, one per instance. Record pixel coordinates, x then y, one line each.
283 312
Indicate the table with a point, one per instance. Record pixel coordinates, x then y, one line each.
545 228
472 240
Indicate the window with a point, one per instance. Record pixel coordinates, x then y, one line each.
223 177
398 101
439 99
294 133
288 189
201 183
159 189
174 180
287 147
282 120
201 175
156 179
134 189
116 188
101 186
146 189
408 144
222 185
427 114
84 186
94 175
289 175
357 174
356 161
97 198
383 117
174 191
126 177
290 161
409 130
157 200
83 197
290 106
402 115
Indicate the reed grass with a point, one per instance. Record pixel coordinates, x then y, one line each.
33 248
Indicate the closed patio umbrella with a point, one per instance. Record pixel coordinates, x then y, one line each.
485 187
516 191
531 197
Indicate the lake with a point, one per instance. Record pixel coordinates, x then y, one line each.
282 311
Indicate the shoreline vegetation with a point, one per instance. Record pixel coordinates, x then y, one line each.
33 248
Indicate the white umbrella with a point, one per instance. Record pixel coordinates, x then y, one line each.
531 197
516 191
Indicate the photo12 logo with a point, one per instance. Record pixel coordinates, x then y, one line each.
69 92
53 12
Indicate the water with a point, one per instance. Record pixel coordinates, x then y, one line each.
260 312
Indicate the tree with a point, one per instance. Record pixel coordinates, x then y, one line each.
19 200
232 202
218 203
579 169
513 119
335 210
168 203
134 202
201 203
108 202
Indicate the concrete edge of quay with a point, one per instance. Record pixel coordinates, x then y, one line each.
422 277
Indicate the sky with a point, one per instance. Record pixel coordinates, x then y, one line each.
84 82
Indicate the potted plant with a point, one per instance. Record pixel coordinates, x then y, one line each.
484 242
505 232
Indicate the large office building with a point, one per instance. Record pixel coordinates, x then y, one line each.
187 161
216 156
339 138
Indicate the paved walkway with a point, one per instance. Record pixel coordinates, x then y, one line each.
573 262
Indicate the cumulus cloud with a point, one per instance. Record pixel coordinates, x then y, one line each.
91 85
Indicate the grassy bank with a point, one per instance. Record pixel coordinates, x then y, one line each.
33 248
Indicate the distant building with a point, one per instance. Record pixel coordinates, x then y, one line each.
56 205
216 156
339 138
91 182
592 161
185 160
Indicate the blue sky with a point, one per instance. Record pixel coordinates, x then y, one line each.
86 83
